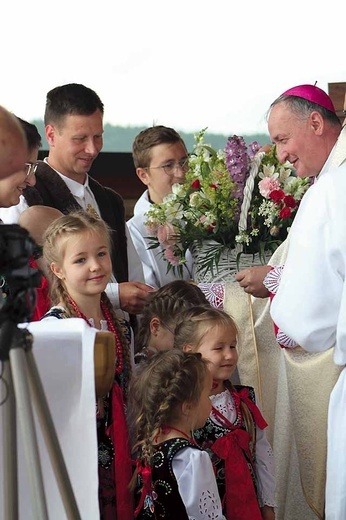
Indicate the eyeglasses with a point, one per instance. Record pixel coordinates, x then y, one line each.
30 168
167 327
171 168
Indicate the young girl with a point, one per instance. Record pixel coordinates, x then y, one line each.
77 250
233 433
170 396
160 315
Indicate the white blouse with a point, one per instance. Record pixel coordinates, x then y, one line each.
197 486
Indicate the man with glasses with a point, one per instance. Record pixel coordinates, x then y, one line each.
161 160
13 147
13 186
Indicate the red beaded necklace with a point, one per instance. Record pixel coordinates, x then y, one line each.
111 328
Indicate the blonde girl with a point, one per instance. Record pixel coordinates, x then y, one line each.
233 433
170 397
77 251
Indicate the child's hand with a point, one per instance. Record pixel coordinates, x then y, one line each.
268 513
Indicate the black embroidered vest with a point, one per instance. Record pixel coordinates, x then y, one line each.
168 503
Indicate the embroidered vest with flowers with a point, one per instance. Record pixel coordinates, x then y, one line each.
164 500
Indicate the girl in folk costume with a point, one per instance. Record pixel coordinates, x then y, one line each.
233 433
170 396
160 315
77 250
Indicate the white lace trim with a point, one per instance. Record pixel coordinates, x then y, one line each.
103 324
272 279
208 505
214 292
225 404
284 340
272 283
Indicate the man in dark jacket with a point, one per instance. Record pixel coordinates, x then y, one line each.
74 129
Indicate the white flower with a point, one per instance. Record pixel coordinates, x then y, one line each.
197 198
178 189
221 154
288 165
268 171
294 187
174 212
284 173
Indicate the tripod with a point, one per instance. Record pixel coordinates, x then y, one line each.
21 384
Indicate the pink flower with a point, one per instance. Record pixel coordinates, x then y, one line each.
171 257
267 185
167 234
152 228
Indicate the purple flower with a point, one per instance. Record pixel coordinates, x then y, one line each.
253 147
237 162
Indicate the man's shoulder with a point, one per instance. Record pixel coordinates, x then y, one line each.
98 188
142 205
11 215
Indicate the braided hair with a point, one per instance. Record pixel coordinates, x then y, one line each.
158 387
166 304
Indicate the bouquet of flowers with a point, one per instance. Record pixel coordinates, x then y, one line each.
239 197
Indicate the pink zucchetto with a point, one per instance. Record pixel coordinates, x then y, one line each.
313 94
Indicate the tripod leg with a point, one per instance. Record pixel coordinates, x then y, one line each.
51 439
27 424
9 445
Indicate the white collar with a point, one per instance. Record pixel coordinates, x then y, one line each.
76 188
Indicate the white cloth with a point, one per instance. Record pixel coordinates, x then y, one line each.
104 325
264 454
310 305
64 355
154 266
197 486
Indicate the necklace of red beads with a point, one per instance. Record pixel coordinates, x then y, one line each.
111 328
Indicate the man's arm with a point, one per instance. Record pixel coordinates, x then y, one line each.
134 262
129 296
311 299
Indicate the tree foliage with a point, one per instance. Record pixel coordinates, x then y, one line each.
120 138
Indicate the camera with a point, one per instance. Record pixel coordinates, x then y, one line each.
18 278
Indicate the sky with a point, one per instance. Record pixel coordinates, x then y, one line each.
188 64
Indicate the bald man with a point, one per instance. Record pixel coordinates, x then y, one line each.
35 220
13 145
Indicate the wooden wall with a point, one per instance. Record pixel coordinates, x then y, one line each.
337 93
117 171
